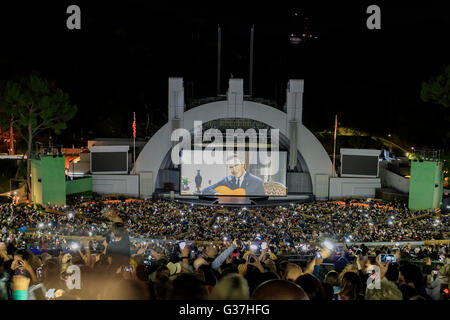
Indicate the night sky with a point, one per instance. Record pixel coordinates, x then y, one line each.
120 60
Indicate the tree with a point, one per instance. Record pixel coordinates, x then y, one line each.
437 90
36 106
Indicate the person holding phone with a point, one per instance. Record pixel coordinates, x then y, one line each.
434 283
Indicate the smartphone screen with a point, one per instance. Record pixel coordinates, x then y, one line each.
387 258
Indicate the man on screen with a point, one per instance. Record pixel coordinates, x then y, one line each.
239 180
198 181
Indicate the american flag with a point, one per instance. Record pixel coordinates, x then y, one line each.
134 125
335 128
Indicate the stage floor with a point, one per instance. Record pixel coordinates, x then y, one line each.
271 201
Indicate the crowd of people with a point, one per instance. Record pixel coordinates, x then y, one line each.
167 250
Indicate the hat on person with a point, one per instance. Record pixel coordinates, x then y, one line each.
174 268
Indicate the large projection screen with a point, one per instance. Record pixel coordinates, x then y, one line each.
237 177
109 162
359 163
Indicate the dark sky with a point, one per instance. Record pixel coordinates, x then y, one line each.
121 59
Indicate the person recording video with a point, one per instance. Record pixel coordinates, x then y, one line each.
239 178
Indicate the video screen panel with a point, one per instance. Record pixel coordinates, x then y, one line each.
109 162
359 165
233 176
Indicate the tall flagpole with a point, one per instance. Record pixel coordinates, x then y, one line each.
134 138
219 48
252 32
334 148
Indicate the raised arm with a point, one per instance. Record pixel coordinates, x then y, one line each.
223 256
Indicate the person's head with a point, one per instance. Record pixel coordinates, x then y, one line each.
279 290
332 278
411 275
388 291
188 287
21 254
208 275
236 166
51 272
328 290
351 286
231 287
118 229
292 271
312 287
211 252
392 272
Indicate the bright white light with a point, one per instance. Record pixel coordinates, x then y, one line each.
225 238
74 246
215 227
328 244
390 222
347 240
392 217
244 208
50 224
41 225
90 234
350 236
70 215
397 244
253 247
